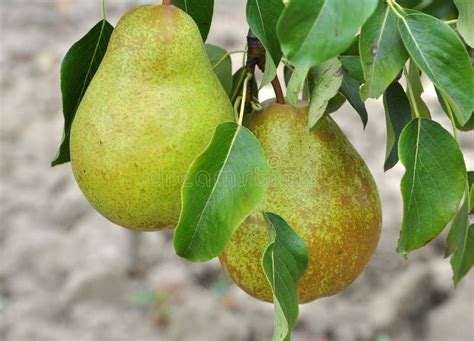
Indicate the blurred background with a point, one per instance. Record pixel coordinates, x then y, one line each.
68 274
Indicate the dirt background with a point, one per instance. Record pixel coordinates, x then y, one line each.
67 274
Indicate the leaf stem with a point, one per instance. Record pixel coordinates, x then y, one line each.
451 22
392 5
220 61
244 97
102 9
280 98
410 93
451 116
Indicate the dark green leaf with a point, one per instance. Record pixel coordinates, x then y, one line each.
312 32
353 66
434 46
335 103
465 22
397 116
201 11
381 51
442 9
270 71
223 186
444 102
415 90
353 49
350 89
262 17
470 180
324 82
296 84
460 243
77 70
222 65
433 184
284 263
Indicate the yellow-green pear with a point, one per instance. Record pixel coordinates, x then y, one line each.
321 186
150 109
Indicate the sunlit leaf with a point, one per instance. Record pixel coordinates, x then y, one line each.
223 185
465 22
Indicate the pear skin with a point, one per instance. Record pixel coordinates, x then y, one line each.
150 109
321 186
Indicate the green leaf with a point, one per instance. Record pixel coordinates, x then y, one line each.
353 66
270 71
381 51
284 263
335 103
470 180
262 17
465 22
445 105
415 90
222 65
296 84
433 184
460 243
397 116
324 83
77 70
312 32
434 46
350 89
223 186
201 11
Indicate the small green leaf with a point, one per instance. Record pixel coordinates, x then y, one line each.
284 263
433 184
201 11
434 46
460 243
353 66
296 84
351 90
270 71
397 116
223 186
381 51
312 32
77 70
324 83
222 65
465 22
262 17
415 90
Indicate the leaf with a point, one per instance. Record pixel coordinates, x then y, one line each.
335 103
433 184
350 89
381 51
470 180
415 90
312 32
324 83
262 17
353 67
460 243
77 70
397 116
284 262
434 46
445 105
465 22
222 65
223 186
201 11
296 84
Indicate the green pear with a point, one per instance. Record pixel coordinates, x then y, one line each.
321 186
150 109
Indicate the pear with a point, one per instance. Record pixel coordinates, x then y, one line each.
150 109
321 186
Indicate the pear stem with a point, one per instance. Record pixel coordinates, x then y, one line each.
167 2
280 98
